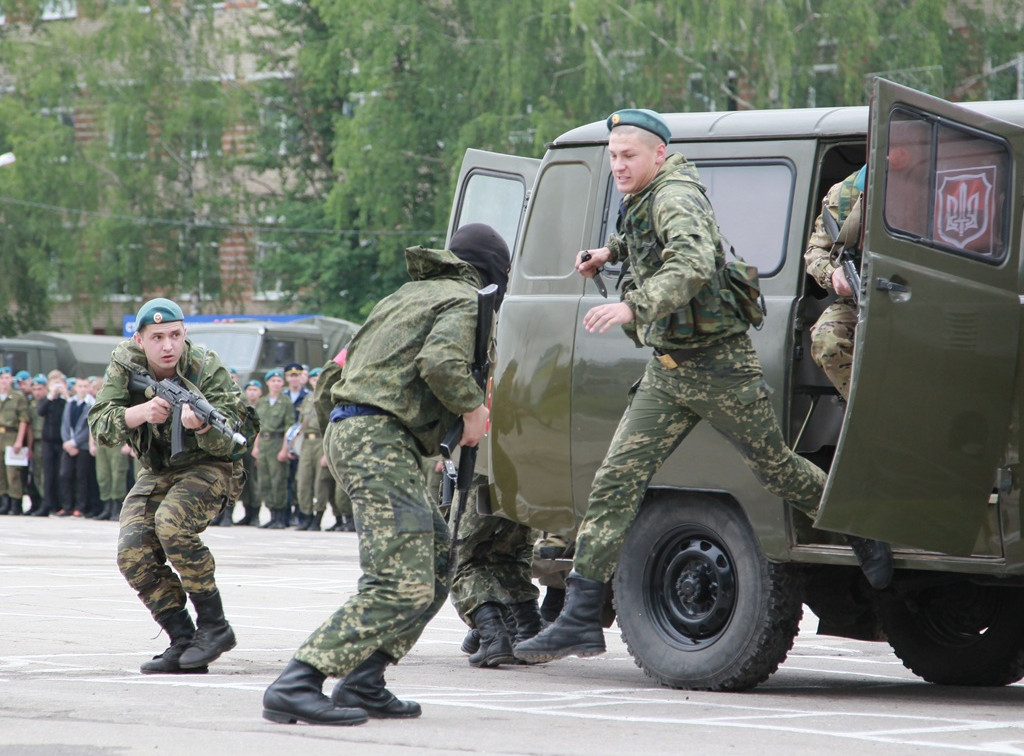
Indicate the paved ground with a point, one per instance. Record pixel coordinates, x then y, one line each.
72 635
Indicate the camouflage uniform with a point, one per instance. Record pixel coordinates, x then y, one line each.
669 233
172 502
411 362
493 563
832 335
13 412
272 474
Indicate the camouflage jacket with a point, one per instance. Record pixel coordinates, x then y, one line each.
199 370
14 411
821 256
412 356
669 233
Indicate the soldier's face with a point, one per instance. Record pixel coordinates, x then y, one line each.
6 381
38 390
253 394
275 384
635 158
163 344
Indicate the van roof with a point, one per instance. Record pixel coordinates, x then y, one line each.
782 123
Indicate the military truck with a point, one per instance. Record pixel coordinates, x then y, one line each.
252 347
79 354
34 355
714 572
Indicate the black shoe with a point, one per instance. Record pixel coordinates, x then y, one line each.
314 522
875 559
527 619
495 641
297 696
471 643
363 688
577 631
214 635
551 607
5 504
179 627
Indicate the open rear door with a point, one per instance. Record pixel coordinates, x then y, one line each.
936 347
493 189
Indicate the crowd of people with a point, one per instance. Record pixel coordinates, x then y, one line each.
56 468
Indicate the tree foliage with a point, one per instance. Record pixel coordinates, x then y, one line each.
358 115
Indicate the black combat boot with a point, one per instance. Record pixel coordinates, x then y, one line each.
104 514
577 631
551 607
115 509
471 643
495 642
528 622
5 504
213 635
278 519
314 521
179 627
15 506
348 524
251 516
297 696
363 688
302 521
875 559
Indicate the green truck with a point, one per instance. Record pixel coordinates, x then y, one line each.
714 573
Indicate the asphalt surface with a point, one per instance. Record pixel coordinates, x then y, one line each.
72 636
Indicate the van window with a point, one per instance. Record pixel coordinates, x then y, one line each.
235 349
947 186
563 191
494 199
752 201
278 352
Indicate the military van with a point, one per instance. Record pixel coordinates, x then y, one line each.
709 589
79 354
252 347
34 355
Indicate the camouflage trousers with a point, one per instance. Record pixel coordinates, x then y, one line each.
161 520
722 385
832 343
494 559
403 546
272 475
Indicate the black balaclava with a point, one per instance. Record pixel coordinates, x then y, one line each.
483 248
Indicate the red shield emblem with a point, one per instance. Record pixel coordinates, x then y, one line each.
964 207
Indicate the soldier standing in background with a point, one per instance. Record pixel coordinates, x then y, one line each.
407 379
173 500
14 429
250 491
312 495
704 367
296 377
276 415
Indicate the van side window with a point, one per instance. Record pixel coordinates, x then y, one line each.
494 199
562 189
753 204
947 187
278 352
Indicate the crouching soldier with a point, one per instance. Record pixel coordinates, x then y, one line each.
175 496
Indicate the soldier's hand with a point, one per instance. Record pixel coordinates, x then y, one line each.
190 419
282 456
603 317
156 410
840 284
595 259
474 426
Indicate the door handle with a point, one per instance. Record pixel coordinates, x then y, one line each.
884 284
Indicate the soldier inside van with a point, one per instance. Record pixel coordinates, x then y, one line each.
704 367
836 236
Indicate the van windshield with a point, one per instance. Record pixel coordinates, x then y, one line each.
237 350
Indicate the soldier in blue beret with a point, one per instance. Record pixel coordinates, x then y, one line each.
15 431
274 373
159 549
703 367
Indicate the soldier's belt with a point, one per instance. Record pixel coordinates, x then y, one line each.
272 434
671 358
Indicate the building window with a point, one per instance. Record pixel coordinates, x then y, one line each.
56 10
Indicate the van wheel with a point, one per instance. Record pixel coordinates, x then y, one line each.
959 634
698 604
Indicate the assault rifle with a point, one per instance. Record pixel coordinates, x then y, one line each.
178 396
459 479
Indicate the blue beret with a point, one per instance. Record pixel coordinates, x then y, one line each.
255 383
40 379
315 372
275 373
293 368
157 310
22 375
644 119
5 370
232 370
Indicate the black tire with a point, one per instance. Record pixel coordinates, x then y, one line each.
959 634
698 604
